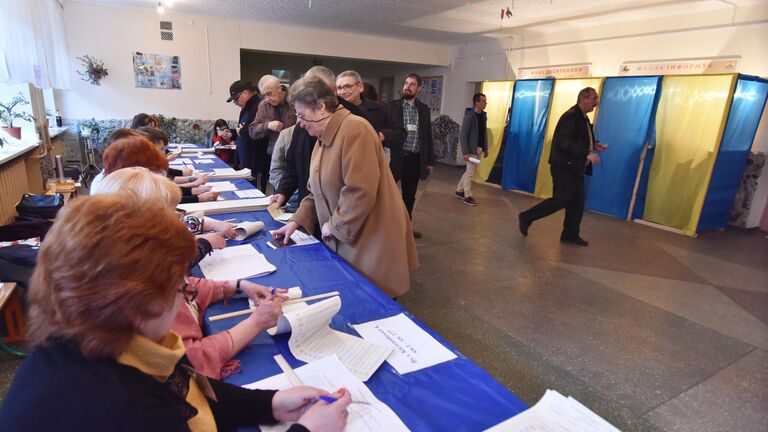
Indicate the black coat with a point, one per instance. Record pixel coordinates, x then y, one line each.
378 115
56 388
246 146
296 168
425 134
570 144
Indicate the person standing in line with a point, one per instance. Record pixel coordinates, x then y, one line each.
418 159
474 145
573 153
243 94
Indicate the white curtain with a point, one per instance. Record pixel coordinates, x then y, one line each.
33 44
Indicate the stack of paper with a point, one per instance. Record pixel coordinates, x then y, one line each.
230 206
247 229
555 413
366 413
229 173
195 150
235 262
222 186
250 193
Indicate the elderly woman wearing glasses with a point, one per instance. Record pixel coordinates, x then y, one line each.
105 291
352 194
208 354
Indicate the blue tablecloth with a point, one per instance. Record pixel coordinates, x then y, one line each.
453 396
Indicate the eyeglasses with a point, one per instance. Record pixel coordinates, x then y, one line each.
300 118
346 87
189 291
234 99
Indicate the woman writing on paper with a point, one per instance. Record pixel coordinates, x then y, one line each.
353 196
104 357
209 354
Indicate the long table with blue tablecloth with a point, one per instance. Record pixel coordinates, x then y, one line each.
453 396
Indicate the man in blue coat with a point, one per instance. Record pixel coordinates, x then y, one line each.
572 155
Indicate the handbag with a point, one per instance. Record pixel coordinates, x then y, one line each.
40 206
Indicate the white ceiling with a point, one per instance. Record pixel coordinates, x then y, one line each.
442 21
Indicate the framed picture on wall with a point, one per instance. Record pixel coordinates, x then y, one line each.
156 71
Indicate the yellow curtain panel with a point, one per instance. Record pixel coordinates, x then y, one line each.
499 95
563 97
689 126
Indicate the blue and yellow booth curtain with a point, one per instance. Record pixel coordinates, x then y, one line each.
499 96
525 133
747 107
624 124
689 127
564 97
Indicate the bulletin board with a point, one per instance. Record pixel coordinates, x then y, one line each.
431 93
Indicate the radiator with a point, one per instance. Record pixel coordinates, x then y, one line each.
13 184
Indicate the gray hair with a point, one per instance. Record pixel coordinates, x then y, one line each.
352 74
268 81
324 74
585 93
311 92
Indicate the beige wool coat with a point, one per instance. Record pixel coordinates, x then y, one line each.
352 188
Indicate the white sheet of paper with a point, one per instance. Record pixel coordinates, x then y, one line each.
299 238
208 156
222 186
224 171
474 160
246 229
329 374
555 413
235 262
312 339
181 161
250 193
285 217
203 161
185 145
414 348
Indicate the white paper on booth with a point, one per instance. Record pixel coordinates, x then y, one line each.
414 348
329 374
222 186
235 262
312 339
250 193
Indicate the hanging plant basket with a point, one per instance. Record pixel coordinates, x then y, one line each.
94 70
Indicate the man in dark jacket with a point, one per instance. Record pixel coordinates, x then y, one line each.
417 159
474 144
572 155
349 86
243 94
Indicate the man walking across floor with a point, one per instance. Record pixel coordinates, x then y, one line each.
417 150
474 144
571 157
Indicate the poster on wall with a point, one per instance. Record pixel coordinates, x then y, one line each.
156 71
431 93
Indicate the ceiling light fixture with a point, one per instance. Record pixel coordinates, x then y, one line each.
160 8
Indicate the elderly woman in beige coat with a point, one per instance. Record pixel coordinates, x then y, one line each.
352 193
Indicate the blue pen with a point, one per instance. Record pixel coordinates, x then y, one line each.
331 399
274 290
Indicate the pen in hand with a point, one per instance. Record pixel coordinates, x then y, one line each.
331 399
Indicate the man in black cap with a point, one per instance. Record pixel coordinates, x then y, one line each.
243 94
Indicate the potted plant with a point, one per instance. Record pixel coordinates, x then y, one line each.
8 113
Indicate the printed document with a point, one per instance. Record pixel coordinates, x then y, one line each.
329 374
250 193
222 186
312 339
235 262
414 348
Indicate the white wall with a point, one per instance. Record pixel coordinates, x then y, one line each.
113 34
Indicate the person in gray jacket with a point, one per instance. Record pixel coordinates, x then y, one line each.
474 145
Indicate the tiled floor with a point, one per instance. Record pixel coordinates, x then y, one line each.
652 330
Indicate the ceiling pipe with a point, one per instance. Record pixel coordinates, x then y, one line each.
733 14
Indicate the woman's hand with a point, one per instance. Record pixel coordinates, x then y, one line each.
186 172
286 231
171 156
265 315
200 180
216 240
326 231
224 228
260 293
327 417
291 403
277 198
208 196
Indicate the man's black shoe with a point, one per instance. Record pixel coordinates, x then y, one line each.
578 241
523 225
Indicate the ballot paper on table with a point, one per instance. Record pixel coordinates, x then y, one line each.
208 156
229 206
203 161
329 374
312 339
222 186
299 238
181 161
250 193
414 348
247 229
235 262
555 413
184 145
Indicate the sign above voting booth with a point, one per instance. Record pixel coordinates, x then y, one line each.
699 66
580 70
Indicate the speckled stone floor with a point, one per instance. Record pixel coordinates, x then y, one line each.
654 331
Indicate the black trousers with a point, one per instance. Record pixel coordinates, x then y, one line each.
568 194
410 179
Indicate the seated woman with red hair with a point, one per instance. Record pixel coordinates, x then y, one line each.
105 291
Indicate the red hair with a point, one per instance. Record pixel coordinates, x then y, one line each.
102 270
133 151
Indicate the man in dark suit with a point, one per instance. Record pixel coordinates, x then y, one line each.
244 95
572 155
418 158
349 86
